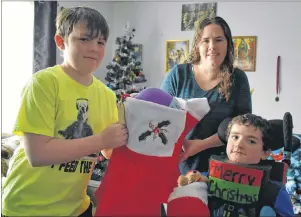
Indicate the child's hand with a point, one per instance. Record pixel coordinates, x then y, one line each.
114 136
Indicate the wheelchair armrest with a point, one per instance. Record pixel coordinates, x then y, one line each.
279 170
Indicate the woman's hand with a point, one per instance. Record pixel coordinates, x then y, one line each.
191 147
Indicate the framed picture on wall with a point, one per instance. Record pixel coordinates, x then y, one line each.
193 14
176 53
245 52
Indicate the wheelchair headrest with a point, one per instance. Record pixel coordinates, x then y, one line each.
277 134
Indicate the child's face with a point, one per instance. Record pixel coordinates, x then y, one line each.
82 53
245 145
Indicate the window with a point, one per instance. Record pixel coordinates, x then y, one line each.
17 57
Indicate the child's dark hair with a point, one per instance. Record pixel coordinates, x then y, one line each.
255 121
96 24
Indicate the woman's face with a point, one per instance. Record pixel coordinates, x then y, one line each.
213 46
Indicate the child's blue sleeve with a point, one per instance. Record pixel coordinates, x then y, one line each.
283 205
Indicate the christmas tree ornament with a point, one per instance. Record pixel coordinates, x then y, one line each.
117 59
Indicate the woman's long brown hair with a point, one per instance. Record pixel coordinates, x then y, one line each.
227 66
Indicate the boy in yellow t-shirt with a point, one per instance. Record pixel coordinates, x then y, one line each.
65 116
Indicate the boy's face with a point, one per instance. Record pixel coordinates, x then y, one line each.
81 52
245 145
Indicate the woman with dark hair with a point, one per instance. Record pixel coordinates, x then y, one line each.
209 73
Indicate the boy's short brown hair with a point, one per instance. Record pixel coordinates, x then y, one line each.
96 24
255 121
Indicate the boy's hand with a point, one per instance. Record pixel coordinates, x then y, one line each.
114 136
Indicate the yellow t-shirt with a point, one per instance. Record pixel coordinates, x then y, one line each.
55 105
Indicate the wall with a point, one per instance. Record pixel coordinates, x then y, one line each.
277 26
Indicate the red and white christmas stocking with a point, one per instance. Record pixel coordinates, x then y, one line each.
141 175
189 200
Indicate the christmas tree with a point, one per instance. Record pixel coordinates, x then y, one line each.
125 69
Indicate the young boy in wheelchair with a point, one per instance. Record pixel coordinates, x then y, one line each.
241 184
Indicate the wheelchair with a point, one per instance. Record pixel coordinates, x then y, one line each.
282 138
243 190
